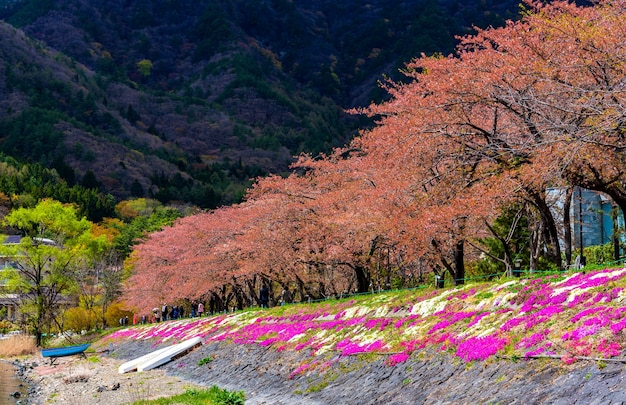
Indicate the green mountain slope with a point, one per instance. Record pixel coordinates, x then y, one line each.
189 100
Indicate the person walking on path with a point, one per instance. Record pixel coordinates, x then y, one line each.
200 309
264 297
157 315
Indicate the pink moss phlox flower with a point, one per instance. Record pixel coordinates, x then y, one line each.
376 346
579 348
411 320
615 292
532 340
477 318
511 323
593 279
410 345
397 359
528 305
617 327
449 319
381 323
559 298
301 369
609 349
535 352
600 321
443 338
462 295
587 312
542 315
617 313
580 298
301 346
268 342
354 321
480 347
577 334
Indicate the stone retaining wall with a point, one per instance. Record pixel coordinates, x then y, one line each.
427 378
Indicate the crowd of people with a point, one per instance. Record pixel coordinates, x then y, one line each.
172 312
197 309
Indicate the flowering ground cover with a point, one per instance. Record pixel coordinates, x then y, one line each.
565 315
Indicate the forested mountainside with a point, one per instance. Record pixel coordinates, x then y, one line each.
188 100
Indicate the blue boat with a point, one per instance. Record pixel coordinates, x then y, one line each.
56 352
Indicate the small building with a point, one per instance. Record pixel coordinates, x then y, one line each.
591 216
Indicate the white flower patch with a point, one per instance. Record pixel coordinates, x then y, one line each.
320 335
325 318
486 332
368 337
238 320
432 305
323 349
381 312
615 273
573 293
500 287
503 300
355 312
358 329
297 337
576 291
622 295
417 330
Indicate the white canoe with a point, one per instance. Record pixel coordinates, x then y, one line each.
167 355
132 364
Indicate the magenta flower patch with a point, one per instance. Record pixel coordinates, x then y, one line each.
480 348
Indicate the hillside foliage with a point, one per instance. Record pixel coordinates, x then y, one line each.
192 100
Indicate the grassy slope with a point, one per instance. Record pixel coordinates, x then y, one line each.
565 315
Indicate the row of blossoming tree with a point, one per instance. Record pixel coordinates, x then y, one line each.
536 104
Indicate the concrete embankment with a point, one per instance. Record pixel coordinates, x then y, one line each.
426 378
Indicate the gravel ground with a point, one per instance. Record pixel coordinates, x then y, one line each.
264 375
74 380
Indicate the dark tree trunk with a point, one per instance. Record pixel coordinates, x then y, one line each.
459 265
300 284
567 226
549 228
536 236
362 279
614 217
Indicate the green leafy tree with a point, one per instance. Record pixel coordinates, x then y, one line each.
55 245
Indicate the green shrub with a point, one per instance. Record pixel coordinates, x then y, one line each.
5 326
78 319
224 397
204 361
